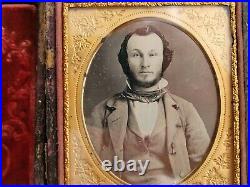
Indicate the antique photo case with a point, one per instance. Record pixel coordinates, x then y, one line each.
114 91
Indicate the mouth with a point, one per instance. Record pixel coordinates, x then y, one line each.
146 72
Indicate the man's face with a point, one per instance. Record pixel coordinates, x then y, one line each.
145 57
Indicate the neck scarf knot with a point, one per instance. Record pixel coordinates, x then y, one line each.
143 96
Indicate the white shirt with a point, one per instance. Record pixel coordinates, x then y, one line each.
146 113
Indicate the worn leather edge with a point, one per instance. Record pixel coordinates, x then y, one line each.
242 106
50 92
40 136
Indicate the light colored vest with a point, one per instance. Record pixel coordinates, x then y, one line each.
152 148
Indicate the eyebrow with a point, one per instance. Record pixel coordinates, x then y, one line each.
153 50
135 50
150 51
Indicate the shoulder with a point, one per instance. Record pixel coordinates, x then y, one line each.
180 101
186 108
102 109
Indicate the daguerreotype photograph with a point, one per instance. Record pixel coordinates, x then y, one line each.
153 109
148 93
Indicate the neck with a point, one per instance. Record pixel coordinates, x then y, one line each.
146 89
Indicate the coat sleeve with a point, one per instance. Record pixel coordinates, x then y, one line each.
95 126
197 138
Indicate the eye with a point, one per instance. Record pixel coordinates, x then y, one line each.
153 54
136 55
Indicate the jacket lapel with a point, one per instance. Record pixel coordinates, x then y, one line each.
172 118
117 124
173 122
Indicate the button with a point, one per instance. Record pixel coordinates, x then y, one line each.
176 107
178 125
145 151
111 108
172 149
139 141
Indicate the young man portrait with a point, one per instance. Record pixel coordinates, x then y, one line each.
145 121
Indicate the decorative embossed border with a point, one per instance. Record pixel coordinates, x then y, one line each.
235 82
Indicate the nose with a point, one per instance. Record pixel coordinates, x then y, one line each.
145 62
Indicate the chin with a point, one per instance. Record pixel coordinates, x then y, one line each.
145 83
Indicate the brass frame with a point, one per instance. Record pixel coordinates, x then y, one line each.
234 87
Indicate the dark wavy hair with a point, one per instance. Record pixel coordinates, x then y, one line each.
143 31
